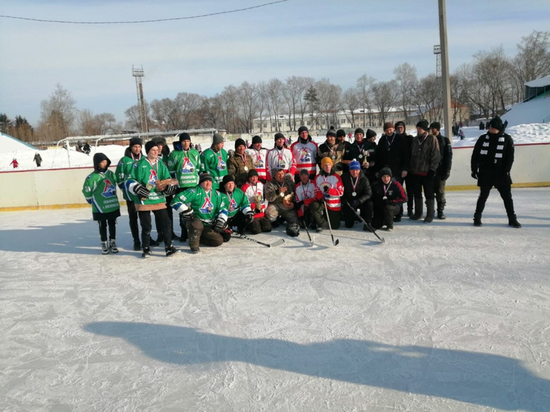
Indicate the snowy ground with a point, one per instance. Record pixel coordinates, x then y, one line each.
442 317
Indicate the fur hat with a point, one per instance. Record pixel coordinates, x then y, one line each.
354 165
205 177
388 125
217 138
149 145
385 171
436 125
239 142
423 124
134 141
256 139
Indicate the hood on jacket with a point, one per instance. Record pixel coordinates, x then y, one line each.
98 158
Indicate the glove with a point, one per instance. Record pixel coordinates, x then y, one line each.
187 215
474 174
170 190
249 217
431 174
141 190
298 205
220 225
355 203
325 189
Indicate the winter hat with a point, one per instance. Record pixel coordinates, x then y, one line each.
354 165
302 129
252 172
217 139
423 124
256 139
98 158
279 136
359 130
149 145
304 172
325 161
205 177
340 133
497 124
239 142
134 141
388 125
436 125
385 171
184 136
227 179
399 123
331 133
370 133
159 140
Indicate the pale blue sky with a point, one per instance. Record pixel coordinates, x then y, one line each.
340 40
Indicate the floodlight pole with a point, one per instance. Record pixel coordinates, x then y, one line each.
445 80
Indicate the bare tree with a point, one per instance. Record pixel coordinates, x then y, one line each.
90 125
58 115
365 86
385 96
133 116
428 97
166 113
330 97
275 94
247 106
350 102
295 90
188 105
407 80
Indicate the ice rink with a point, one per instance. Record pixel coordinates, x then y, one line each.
440 317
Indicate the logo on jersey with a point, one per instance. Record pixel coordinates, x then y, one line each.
258 163
207 206
233 205
221 164
305 156
109 190
187 166
152 177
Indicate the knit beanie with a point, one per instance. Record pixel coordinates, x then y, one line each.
302 129
359 130
149 145
354 165
423 124
304 172
184 136
279 136
134 141
385 171
227 179
436 125
388 125
340 133
252 172
325 161
331 133
497 124
217 139
370 133
239 142
205 177
256 139
399 123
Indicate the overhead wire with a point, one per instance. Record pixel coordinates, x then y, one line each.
144 21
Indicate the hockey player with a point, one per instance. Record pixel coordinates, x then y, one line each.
357 194
99 189
259 157
356 151
214 160
184 165
204 209
240 163
142 183
239 212
305 197
132 154
254 191
280 158
329 189
304 150
388 195
330 148
279 192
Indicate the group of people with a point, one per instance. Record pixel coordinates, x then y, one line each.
253 189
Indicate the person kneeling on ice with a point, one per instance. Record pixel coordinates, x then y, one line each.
239 212
100 191
254 191
279 192
328 189
357 195
305 198
388 195
205 212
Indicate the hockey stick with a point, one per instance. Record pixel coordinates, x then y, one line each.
243 236
334 242
381 239
305 226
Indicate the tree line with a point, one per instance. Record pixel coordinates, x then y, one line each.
488 85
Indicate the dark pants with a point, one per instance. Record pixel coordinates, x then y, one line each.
383 214
133 217
262 224
103 229
423 182
505 191
439 191
162 220
350 217
410 195
317 210
201 233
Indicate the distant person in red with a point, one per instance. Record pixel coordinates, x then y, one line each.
15 163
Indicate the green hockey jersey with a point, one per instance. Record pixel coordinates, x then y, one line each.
207 206
184 165
99 189
236 201
146 173
214 163
123 171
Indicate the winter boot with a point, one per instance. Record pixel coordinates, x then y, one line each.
153 242
513 221
105 248
195 249
430 211
418 209
113 247
441 215
170 250
477 220
146 252
137 245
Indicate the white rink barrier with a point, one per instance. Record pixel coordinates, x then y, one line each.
62 188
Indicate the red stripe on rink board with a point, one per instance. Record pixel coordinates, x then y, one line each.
515 145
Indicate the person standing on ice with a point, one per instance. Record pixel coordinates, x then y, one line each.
304 150
214 160
132 155
15 163
240 163
259 157
142 183
280 158
443 170
99 189
491 163
37 159
204 210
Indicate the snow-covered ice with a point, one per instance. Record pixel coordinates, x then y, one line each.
441 317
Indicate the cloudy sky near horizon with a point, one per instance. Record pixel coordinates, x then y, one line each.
337 39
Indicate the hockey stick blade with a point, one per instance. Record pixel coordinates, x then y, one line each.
381 239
